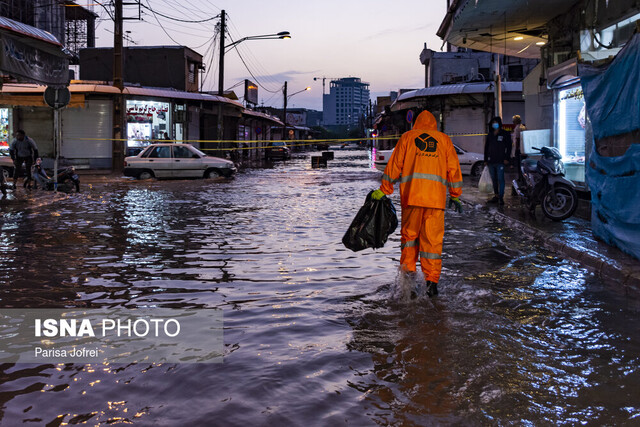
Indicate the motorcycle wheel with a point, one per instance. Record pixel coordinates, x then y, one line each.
564 205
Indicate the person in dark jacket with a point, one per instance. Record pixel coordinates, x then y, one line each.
23 150
497 151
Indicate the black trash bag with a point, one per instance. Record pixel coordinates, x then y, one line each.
373 224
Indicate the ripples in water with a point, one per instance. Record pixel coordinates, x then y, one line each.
314 334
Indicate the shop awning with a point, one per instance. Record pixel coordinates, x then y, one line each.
494 25
77 100
32 55
413 98
264 116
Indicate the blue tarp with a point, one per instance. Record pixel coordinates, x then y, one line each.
612 93
615 199
612 96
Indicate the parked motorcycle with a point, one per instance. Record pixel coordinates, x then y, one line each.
543 183
67 180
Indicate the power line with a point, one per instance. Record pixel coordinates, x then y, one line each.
245 66
178 19
254 61
160 24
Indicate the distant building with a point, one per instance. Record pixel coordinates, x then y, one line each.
174 67
296 116
347 102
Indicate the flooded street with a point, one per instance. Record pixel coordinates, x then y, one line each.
314 333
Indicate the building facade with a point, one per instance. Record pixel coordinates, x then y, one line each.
347 102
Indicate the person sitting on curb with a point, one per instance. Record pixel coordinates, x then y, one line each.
39 175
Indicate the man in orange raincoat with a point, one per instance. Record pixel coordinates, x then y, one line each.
425 163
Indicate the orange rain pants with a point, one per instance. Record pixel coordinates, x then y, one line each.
421 236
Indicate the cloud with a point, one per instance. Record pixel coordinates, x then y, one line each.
396 30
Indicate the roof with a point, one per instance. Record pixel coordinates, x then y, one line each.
28 30
91 87
457 89
262 116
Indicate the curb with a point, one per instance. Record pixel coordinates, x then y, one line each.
627 279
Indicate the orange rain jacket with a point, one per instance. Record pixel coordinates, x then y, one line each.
425 162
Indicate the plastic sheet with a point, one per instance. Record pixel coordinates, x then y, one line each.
615 186
612 98
373 224
611 92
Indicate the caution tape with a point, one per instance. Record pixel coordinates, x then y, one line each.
288 142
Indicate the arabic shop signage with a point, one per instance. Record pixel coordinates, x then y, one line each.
146 111
33 64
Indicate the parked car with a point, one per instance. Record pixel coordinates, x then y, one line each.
277 150
6 164
470 163
173 160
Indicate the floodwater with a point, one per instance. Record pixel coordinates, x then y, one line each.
314 334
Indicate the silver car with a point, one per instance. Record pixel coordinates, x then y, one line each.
172 160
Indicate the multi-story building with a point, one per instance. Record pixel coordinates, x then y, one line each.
347 102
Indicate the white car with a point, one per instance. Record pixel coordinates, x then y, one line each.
6 164
172 160
470 163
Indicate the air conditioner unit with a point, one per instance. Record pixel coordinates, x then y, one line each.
560 57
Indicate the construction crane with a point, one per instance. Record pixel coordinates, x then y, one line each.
323 80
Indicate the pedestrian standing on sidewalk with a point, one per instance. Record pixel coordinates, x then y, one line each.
23 150
425 163
497 151
517 149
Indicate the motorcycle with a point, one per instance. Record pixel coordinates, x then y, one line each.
543 183
67 180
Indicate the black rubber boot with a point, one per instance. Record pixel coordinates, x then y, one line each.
432 289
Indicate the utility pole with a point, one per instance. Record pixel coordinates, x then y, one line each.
284 115
118 145
497 81
223 30
223 26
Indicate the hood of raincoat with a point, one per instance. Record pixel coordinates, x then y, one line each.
425 121
496 119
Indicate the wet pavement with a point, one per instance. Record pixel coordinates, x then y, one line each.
314 334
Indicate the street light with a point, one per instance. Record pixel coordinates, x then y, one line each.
286 98
223 30
224 49
280 35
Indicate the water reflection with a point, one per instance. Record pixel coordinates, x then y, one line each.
313 332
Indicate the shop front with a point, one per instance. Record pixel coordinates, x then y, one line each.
147 121
570 122
6 128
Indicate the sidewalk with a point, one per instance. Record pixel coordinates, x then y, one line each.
572 238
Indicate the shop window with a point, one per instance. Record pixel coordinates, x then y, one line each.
571 119
5 128
146 121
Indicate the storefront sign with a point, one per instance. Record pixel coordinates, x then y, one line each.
32 64
250 92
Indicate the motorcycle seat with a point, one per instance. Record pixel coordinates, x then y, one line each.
529 165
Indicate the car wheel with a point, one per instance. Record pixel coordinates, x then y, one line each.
476 169
146 174
212 173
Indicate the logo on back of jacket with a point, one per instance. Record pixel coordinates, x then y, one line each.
427 145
